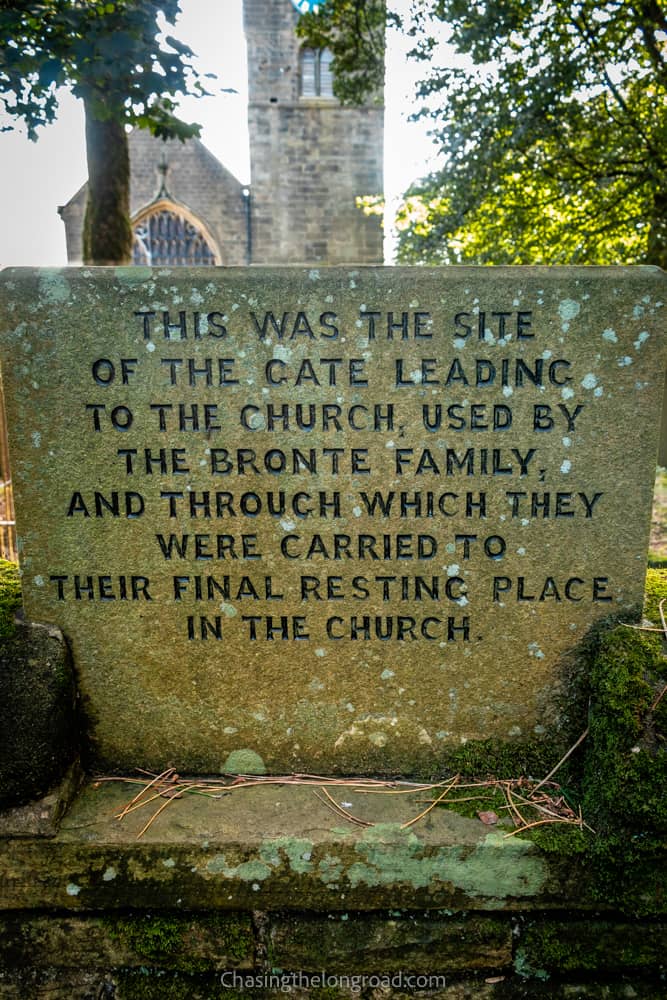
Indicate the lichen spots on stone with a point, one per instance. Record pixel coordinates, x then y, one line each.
330 869
247 871
136 275
496 867
282 353
297 850
244 762
217 865
568 309
378 739
54 288
250 871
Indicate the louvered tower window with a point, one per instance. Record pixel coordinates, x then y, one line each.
316 75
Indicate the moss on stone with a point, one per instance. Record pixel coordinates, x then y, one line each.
625 771
168 940
626 759
153 938
10 596
560 838
567 946
357 943
499 759
656 591
619 774
38 717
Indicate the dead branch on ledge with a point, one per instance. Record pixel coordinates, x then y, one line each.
527 803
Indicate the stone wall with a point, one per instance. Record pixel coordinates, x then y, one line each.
204 956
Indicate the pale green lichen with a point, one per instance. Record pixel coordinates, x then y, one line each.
297 850
330 869
495 867
53 287
134 275
247 871
244 761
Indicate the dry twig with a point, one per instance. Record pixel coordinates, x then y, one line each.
561 761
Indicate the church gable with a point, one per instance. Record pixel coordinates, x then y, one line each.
185 179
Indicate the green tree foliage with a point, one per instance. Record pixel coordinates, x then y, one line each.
354 32
110 55
552 122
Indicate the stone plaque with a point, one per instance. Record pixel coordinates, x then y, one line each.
335 520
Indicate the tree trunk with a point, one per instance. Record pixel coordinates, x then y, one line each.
656 246
107 234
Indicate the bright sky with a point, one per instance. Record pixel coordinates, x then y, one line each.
35 178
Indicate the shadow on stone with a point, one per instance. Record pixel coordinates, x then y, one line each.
37 713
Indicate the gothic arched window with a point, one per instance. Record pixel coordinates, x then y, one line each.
166 235
316 74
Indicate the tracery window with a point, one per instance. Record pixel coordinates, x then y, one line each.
316 74
165 236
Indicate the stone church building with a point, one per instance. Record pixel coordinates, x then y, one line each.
310 158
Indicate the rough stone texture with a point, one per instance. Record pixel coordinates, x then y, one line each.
190 942
380 944
277 663
41 817
38 738
270 847
310 157
223 897
567 945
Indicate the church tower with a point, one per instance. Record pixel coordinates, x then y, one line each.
310 157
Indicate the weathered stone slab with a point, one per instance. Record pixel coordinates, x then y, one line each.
343 520
279 847
347 944
37 717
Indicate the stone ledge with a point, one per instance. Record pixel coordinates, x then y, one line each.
42 817
277 847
